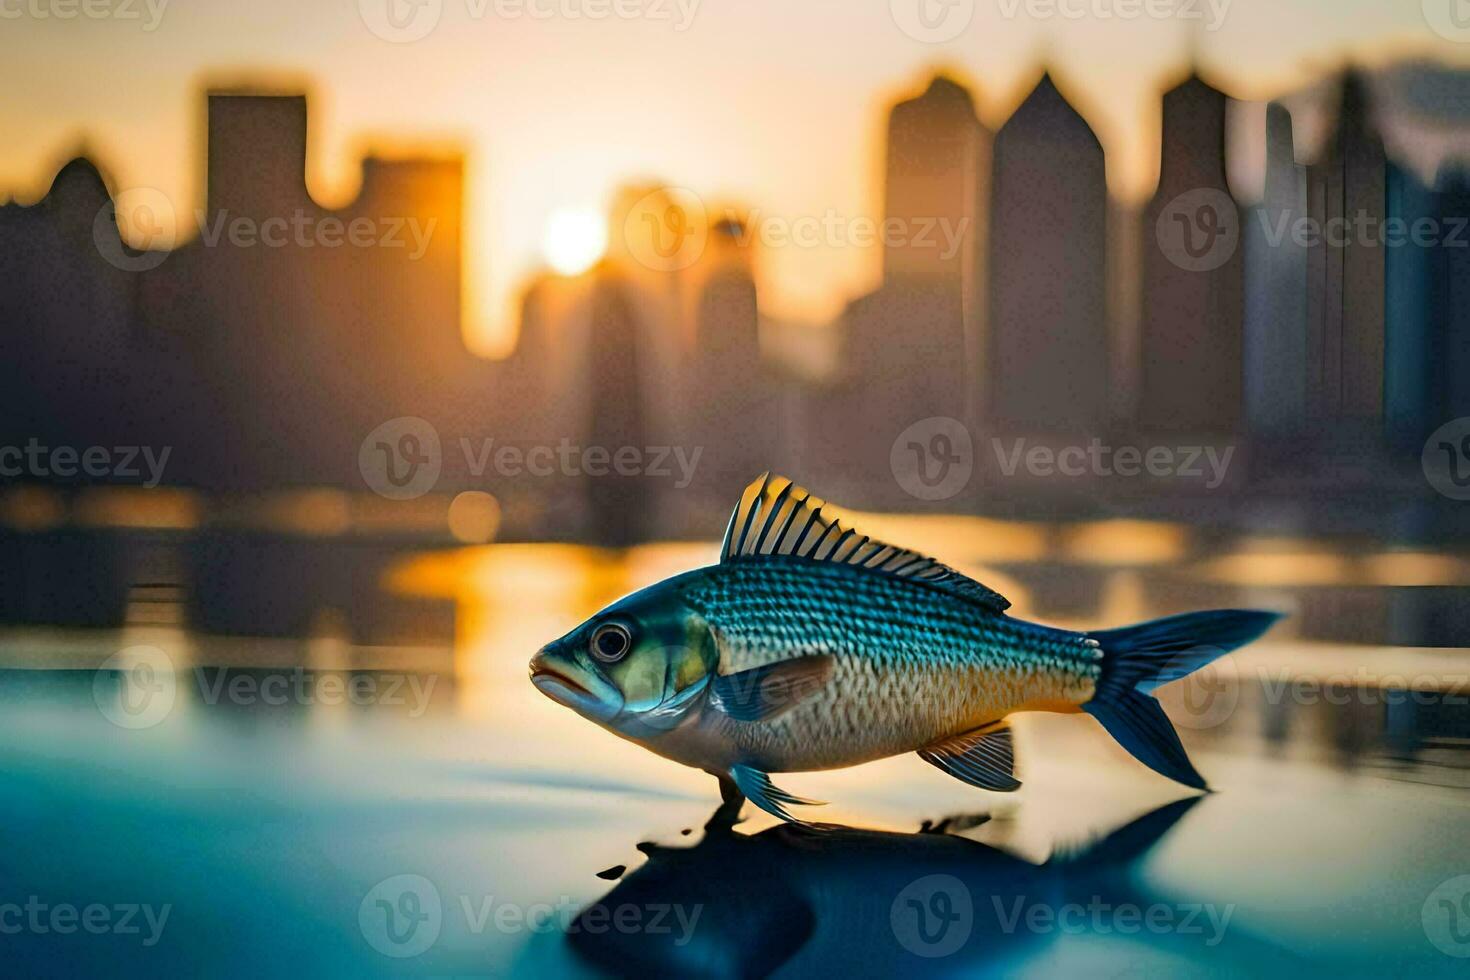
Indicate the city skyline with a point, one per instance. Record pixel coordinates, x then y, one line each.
489 87
1039 305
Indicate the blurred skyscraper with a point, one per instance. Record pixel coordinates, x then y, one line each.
1191 318
1048 362
1345 267
1276 331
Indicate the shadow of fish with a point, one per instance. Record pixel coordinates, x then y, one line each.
862 903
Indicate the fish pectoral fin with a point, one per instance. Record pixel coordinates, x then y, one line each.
984 757
759 789
762 693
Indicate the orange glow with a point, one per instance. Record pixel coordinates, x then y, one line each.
956 538
474 517
312 513
31 508
1124 542
1279 568
1415 568
157 508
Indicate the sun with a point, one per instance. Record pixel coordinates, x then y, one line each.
574 240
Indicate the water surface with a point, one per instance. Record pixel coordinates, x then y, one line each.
323 806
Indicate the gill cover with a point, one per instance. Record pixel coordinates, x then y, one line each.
666 668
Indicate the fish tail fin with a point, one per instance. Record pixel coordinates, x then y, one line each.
1139 658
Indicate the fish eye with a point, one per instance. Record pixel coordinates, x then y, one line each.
610 642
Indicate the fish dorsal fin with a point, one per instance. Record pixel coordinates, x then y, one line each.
777 517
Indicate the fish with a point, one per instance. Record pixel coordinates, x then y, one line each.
810 646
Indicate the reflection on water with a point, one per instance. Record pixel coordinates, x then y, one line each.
281 725
862 903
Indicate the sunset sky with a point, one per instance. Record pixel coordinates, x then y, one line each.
776 104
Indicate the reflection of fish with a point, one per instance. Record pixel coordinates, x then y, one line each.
792 902
812 646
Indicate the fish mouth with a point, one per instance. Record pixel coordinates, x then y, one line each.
562 686
548 680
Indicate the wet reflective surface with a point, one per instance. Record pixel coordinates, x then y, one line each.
337 800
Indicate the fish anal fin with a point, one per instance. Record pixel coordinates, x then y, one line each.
759 789
767 692
983 757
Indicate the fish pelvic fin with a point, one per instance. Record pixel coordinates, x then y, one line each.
759 789
984 757
1137 659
